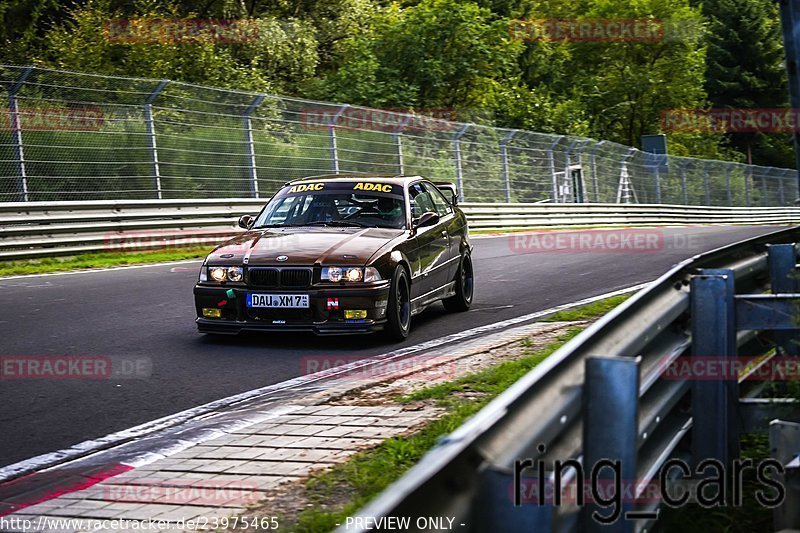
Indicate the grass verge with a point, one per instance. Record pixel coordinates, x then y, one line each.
343 490
99 260
588 311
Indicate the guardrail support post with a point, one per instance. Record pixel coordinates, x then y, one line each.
610 432
332 134
151 134
504 160
552 163
715 432
251 149
493 505
457 159
16 133
782 260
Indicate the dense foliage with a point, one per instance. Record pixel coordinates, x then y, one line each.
449 54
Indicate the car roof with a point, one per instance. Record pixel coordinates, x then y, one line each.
394 179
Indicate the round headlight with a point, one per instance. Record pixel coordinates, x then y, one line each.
335 274
218 273
354 274
235 273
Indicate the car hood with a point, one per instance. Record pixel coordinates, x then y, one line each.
305 246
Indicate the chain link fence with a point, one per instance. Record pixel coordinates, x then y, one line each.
73 136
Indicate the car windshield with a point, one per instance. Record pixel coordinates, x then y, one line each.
357 204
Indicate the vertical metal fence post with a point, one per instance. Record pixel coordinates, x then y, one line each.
16 134
151 135
684 189
398 142
567 164
610 432
582 194
334 149
748 175
764 191
782 260
781 193
706 183
504 160
594 170
552 163
715 433
657 179
728 170
457 158
624 187
251 149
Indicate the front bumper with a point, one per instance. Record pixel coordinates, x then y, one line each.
321 317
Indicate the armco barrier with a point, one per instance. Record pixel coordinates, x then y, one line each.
615 393
41 229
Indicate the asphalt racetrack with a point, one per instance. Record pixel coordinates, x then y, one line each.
143 319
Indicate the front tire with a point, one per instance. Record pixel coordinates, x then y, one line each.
398 308
465 283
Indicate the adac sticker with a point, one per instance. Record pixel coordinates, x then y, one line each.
377 187
303 187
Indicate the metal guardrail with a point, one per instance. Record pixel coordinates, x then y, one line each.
43 229
604 395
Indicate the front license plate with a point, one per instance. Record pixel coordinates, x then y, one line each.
281 301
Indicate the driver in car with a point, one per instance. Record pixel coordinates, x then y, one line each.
390 210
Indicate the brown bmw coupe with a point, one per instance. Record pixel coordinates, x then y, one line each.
340 254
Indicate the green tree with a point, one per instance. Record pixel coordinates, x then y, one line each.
436 54
745 70
627 85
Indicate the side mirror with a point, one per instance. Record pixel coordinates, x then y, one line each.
449 188
427 219
246 221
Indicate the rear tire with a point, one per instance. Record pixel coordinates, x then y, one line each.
465 283
398 308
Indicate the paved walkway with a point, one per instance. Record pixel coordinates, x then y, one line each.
221 477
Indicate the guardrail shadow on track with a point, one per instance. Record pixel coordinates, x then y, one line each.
659 389
43 229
